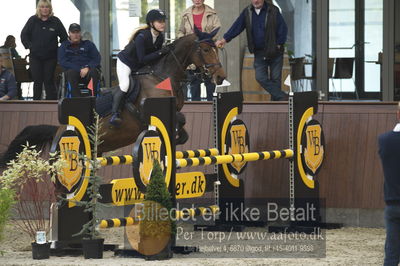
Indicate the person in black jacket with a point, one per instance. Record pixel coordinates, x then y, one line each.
266 36
389 152
144 47
40 35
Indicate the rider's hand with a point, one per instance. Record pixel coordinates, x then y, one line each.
84 72
192 67
220 43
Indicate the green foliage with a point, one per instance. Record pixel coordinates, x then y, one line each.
6 202
30 165
92 205
157 189
30 174
157 207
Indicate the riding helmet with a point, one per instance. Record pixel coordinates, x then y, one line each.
154 15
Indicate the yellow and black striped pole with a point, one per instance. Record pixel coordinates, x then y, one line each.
231 158
196 153
192 212
115 160
117 222
181 214
128 159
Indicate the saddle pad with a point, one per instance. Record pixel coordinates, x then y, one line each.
104 100
104 103
134 89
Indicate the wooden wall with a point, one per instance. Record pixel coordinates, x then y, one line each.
351 176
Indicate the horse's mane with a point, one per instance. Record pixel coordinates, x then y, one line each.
191 37
176 46
182 46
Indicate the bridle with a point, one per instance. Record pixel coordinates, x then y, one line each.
205 67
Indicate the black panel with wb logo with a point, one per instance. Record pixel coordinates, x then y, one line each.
70 147
148 148
313 147
237 142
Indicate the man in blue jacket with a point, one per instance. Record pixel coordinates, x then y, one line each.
389 151
266 35
8 86
80 60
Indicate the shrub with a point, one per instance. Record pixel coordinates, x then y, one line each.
6 202
157 201
29 178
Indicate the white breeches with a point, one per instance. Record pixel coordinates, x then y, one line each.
123 73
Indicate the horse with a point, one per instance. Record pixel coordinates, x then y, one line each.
196 48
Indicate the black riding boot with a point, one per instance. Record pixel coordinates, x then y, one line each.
116 108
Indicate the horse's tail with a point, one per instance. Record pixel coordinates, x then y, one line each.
39 135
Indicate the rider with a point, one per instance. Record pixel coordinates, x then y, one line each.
145 46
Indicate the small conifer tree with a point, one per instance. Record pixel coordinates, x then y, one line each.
157 190
89 230
157 198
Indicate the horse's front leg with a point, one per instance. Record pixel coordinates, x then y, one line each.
181 134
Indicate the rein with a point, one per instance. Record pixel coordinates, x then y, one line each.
206 67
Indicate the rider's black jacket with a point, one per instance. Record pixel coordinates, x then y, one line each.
141 50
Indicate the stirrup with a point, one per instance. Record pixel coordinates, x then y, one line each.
115 120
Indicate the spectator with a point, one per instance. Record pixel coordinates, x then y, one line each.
80 60
389 151
205 19
266 36
87 36
8 86
40 35
10 43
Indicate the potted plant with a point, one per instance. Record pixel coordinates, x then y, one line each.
157 226
30 177
92 244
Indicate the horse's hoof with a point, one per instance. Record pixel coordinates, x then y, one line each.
180 119
183 136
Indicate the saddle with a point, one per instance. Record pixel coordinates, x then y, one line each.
104 101
133 91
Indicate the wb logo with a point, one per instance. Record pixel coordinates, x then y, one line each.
314 139
314 148
70 156
152 151
69 151
239 141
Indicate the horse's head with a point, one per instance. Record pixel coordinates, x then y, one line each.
206 56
